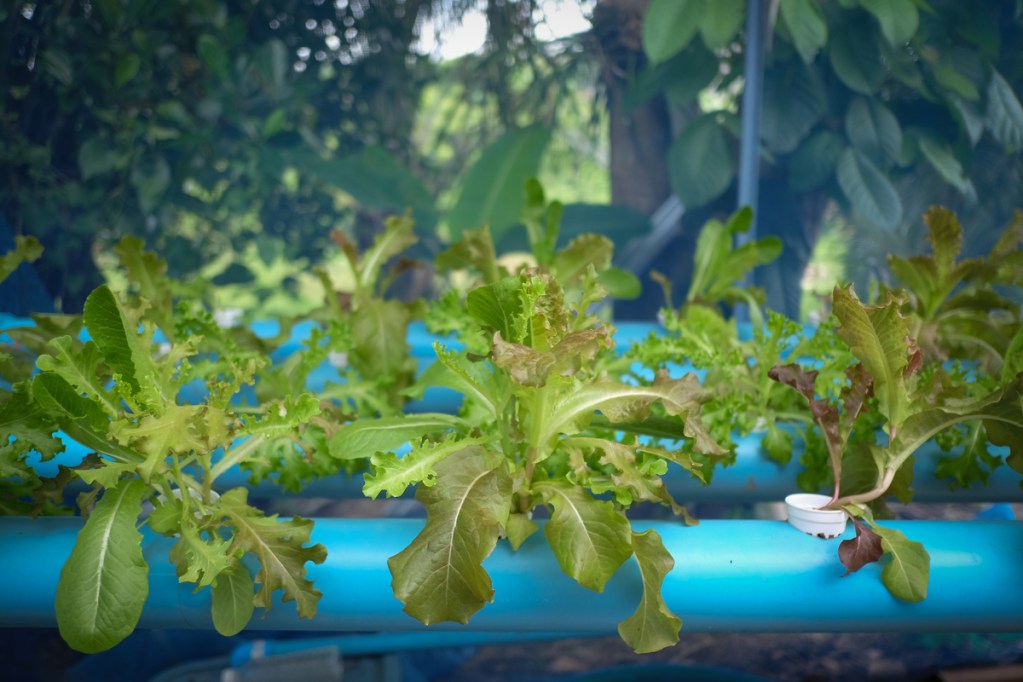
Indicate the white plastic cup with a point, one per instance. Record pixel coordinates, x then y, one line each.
805 513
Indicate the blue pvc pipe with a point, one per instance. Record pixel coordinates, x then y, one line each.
737 576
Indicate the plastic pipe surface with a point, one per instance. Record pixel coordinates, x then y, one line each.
738 576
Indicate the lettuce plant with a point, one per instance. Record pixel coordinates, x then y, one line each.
535 431
937 360
888 385
119 390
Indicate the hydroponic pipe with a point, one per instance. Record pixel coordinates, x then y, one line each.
738 576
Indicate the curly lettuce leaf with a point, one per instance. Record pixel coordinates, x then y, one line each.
280 547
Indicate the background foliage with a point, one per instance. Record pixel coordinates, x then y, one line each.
880 108
233 135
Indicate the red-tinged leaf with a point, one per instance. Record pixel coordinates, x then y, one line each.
859 390
799 378
877 336
864 549
916 359
824 413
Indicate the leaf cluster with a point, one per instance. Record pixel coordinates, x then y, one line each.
535 432
867 388
162 396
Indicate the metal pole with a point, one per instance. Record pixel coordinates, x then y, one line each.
752 108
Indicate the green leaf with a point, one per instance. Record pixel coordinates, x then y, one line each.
365 437
393 474
58 64
868 190
1012 363
700 162
907 574
374 177
899 19
97 156
398 235
104 583
273 62
680 78
620 284
637 481
148 272
474 250
954 81
877 335
519 528
1001 411
213 55
108 475
26 250
669 26
496 306
233 600
78 366
379 342
942 159
492 191
806 25
439 576
200 560
127 68
969 115
157 438
622 402
589 537
720 21
572 262
150 176
718 266
814 161
53 393
855 59
1004 115
653 626
279 547
794 102
873 129
25 427
116 333
458 372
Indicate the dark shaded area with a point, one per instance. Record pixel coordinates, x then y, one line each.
23 292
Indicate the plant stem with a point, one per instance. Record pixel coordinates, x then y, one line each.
528 469
882 486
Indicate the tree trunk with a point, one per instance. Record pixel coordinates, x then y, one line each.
640 136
